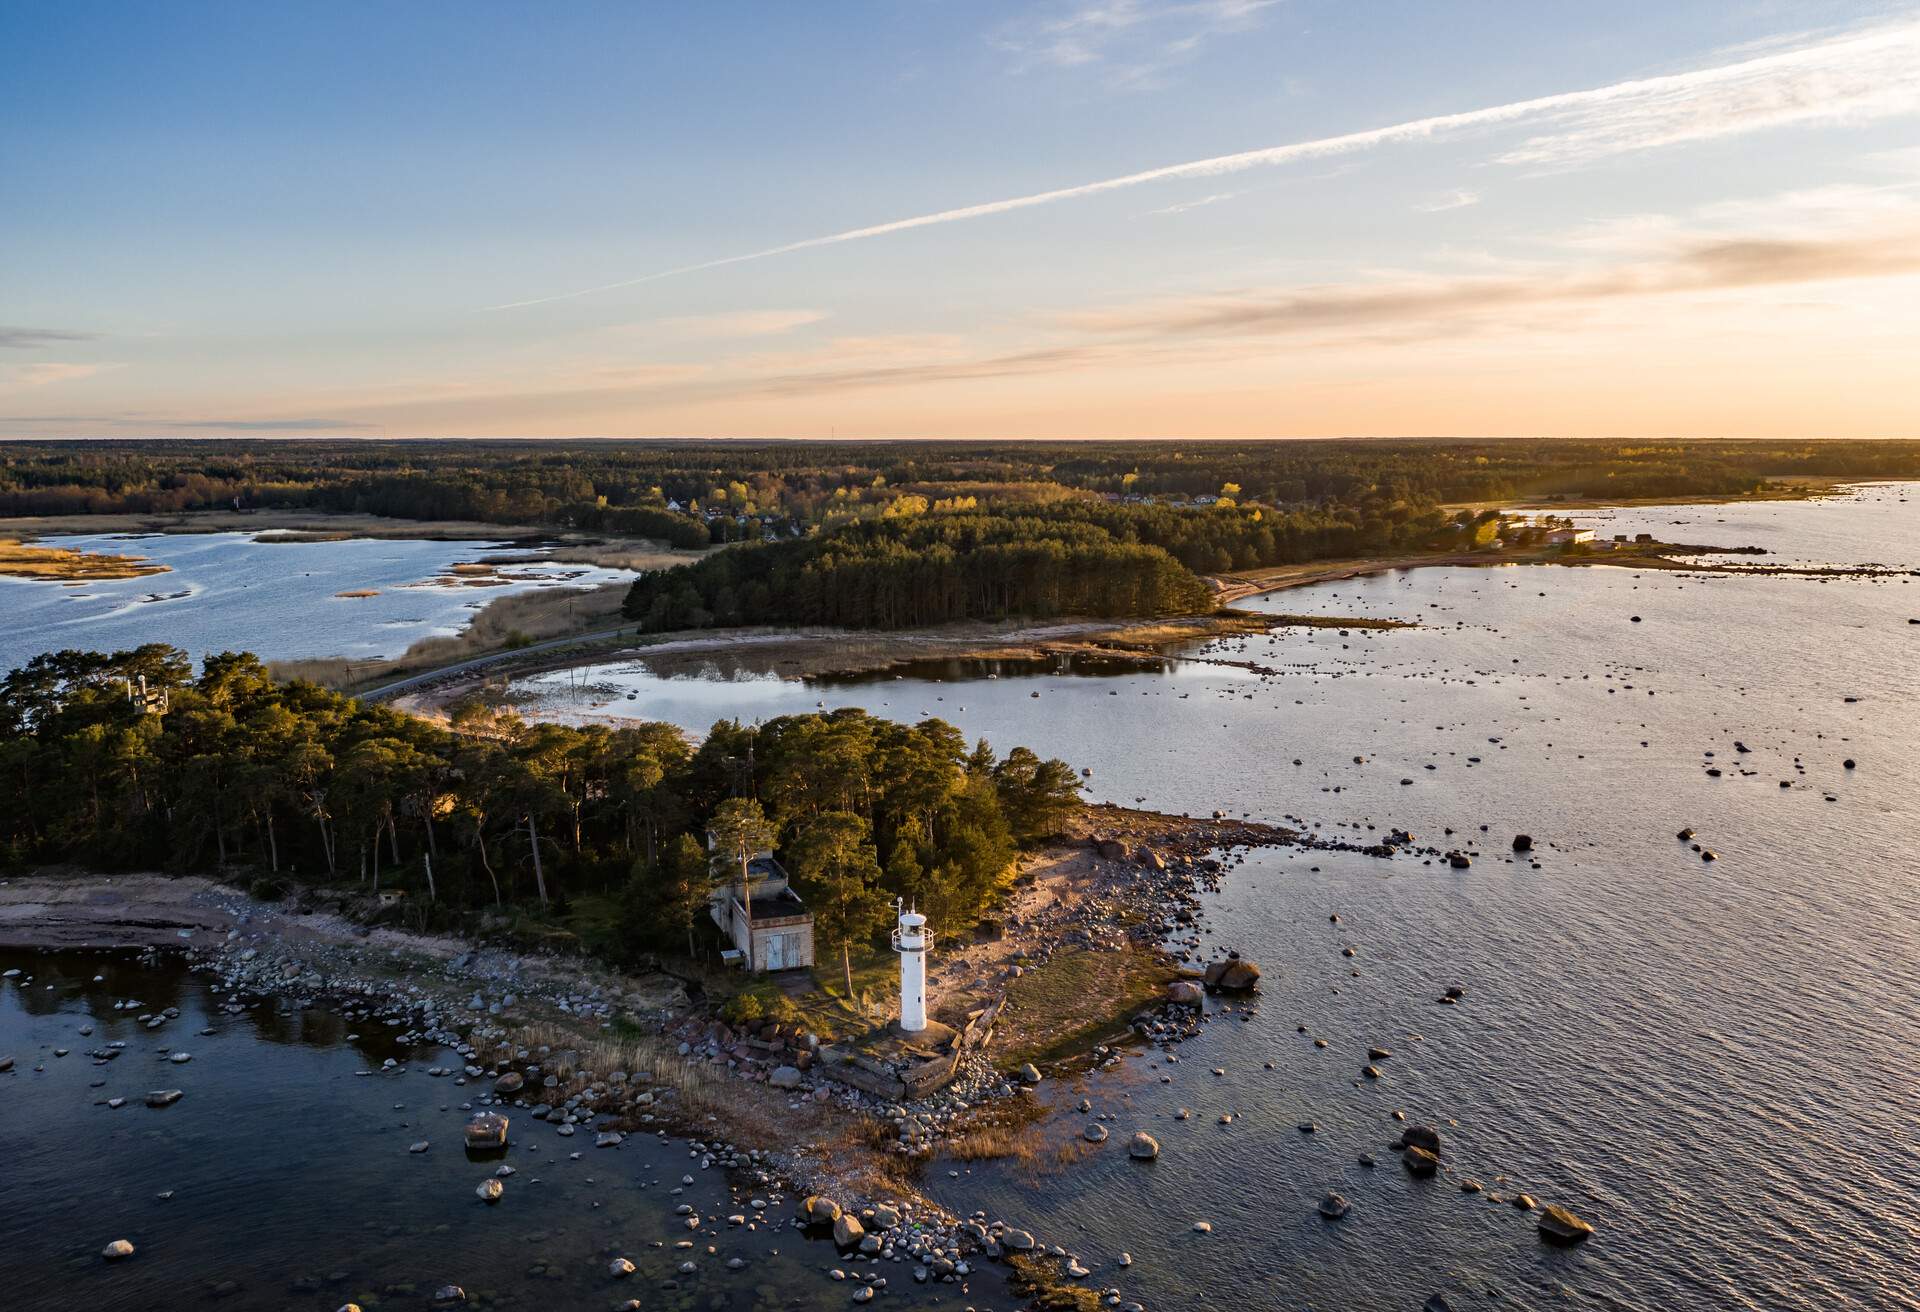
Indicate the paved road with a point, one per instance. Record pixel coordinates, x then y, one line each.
412 681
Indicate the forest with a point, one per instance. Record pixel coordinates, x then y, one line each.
284 784
693 492
1066 558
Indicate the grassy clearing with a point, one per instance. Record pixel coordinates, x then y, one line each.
1075 1000
829 1012
57 564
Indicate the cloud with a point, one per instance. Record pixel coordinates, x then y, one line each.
1131 42
43 373
1862 75
1183 206
1707 265
1457 199
27 339
740 323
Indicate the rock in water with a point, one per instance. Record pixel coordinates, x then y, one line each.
1522 843
1095 1133
487 1130
1420 1162
1030 1074
449 1296
821 1211
1143 1147
489 1191
619 1267
511 1082
1421 1136
1017 1240
847 1230
1561 1226
1333 1207
1184 993
117 1250
164 1097
1234 975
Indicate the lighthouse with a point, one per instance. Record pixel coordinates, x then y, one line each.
910 940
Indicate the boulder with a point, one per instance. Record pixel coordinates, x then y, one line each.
489 1190
487 1130
1333 1207
1420 1162
1112 849
619 1268
821 1211
449 1296
1421 1136
1522 843
1560 1226
785 1077
1030 1074
885 1217
510 1083
117 1250
1143 1147
164 1097
847 1230
1184 993
1234 975
1019 1241
1094 1133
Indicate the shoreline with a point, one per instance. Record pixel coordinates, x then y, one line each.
682 1063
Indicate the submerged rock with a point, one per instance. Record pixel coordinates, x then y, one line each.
1560 1226
1420 1162
1333 1207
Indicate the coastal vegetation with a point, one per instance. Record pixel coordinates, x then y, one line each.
1067 558
17 560
131 760
691 493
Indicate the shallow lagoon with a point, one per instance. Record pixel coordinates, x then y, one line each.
279 600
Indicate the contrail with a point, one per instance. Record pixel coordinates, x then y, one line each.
1873 72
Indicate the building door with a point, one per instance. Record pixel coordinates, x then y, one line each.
776 952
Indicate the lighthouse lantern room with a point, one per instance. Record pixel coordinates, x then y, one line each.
911 939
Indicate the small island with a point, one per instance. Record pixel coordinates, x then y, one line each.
58 564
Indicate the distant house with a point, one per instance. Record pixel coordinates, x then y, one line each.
1561 537
780 934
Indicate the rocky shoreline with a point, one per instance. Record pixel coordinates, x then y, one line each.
563 1046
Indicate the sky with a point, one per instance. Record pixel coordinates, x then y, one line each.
961 219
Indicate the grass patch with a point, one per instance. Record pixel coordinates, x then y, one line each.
1075 1000
18 560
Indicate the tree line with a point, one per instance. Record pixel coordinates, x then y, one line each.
1065 558
290 783
606 485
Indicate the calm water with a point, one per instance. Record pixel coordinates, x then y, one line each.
227 591
290 1174
1716 1064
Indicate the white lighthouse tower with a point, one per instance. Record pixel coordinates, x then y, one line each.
910 940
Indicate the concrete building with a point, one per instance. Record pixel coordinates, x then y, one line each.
779 934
